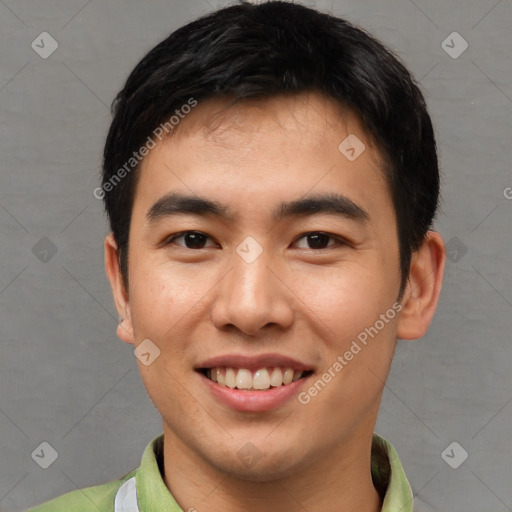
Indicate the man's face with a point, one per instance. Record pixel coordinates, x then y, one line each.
257 291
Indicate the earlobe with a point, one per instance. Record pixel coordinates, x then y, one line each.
121 298
423 288
124 332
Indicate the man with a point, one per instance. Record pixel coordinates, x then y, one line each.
271 178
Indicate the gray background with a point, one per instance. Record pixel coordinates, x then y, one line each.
67 380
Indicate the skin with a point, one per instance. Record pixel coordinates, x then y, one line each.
303 302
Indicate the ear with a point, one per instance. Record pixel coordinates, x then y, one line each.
121 299
423 288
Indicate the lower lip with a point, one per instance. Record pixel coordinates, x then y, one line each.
254 401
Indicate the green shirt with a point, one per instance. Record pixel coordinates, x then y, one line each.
143 489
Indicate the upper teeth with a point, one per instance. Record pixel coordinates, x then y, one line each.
264 378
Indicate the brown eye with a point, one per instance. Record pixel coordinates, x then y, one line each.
318 240
191 239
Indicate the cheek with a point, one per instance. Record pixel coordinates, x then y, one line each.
154 301
359 345
165 297
347 298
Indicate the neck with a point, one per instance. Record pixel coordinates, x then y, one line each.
340 480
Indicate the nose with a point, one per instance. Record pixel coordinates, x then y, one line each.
253 297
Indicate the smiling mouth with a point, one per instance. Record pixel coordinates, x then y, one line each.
259 380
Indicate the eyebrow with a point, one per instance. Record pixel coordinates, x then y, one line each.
333 204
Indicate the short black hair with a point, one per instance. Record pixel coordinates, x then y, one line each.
265 50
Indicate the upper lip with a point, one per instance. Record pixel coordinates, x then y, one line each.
253 362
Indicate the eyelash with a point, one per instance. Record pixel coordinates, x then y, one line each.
339 240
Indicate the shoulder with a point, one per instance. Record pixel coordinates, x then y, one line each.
99 498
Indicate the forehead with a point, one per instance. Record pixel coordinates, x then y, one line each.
226 123
256 151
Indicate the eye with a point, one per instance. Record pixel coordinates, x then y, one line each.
197 240
318 240
192 239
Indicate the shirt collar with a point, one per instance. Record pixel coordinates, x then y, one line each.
153 494
398 497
